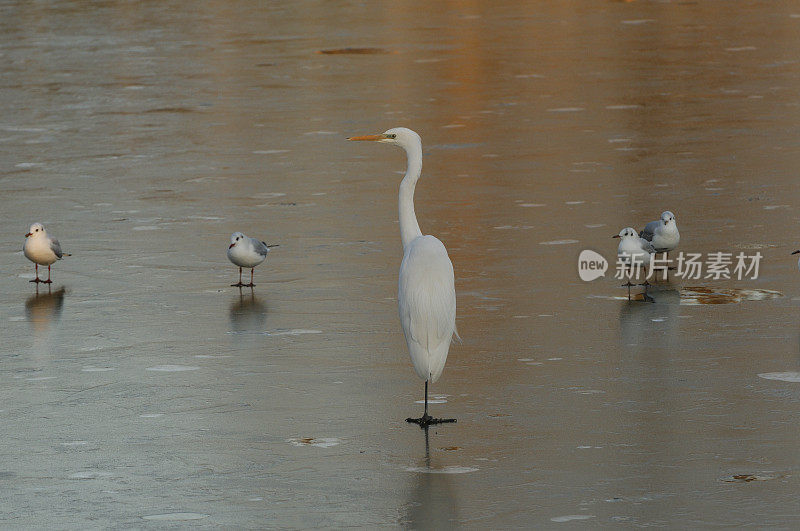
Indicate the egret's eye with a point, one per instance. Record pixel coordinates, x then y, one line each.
392 136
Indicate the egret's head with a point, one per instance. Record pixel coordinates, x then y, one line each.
35 230
400 136
627 232
235 238
667 217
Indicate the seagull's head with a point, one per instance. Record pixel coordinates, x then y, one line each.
235 238
667 217
35 230
627 232
399 136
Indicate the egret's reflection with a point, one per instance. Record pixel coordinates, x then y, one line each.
247 312
432 504
648 323
44 308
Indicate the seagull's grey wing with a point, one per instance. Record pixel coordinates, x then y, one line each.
56 248
259 247
649 230
647 246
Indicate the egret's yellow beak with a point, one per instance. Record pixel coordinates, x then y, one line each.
369 137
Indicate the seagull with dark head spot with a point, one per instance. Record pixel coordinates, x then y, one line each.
41 249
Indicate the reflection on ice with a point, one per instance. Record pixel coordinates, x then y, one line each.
247 312
693 296
42 309
649 324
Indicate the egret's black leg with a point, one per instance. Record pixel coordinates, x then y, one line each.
425 420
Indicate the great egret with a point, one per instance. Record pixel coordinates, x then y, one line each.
426 294
247 252
41 249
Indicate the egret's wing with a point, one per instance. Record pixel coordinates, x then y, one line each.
649 230
56 248
259 247
427 303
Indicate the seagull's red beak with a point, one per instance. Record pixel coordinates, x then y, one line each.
231 246
29 234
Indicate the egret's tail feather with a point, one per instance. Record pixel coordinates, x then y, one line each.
456 336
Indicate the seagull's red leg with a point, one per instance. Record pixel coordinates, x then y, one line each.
240 279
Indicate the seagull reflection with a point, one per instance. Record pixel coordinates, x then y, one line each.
432 504
247 312
649 324
42 309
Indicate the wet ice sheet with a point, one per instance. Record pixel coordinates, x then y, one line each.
152 135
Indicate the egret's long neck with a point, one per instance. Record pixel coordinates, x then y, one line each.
409 228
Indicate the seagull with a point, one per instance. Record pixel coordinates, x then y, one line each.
247 252
662 233
634 251
41 249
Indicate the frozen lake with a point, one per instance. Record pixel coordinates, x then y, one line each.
140 390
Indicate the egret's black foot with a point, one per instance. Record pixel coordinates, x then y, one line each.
238 285
427 420
629 284
251 285
645 284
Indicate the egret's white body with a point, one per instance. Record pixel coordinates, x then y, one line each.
427 302
426 287
662 233
246 252
41 249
